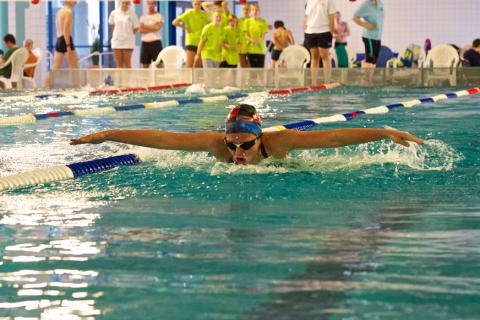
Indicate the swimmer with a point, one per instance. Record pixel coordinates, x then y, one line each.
243 141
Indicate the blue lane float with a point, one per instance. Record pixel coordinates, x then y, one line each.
79 169
69 171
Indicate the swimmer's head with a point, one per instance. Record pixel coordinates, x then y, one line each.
244 118
242 134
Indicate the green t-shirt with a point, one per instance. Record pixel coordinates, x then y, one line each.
195 21
212 38
256 28
7 70
243 40
233 38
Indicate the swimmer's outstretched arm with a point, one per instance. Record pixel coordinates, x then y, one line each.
344 137
199 141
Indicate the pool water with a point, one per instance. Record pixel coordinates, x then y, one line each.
371 231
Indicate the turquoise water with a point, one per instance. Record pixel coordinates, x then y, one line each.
372 231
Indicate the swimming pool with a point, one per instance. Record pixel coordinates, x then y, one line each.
372 231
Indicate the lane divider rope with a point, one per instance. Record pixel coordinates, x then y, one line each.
118 90
309 123
78 169
29 118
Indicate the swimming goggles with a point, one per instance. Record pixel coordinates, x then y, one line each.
244 145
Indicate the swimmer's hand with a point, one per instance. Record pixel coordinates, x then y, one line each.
402 137
94 138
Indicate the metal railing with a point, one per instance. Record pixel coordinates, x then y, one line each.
95 54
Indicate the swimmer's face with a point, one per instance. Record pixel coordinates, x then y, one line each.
239 154
196 5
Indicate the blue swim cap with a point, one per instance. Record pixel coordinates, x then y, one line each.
244 118
240 126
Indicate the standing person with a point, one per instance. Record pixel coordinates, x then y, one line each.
231 44
319 29
282 38
341 32
125 24
210 46
472 56
11 45
370 17
150 25
255 30
64 47
241 26
192 21
32 58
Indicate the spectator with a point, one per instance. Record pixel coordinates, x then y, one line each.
231 44
241 26
192 21
64 47
370 17
220 6
472 56
427 46
32 58
150 25
255 30
209 48
11 45
319 29
125 24
341 32
281 39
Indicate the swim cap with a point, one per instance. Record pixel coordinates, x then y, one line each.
244 118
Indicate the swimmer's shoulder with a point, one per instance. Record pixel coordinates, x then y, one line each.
277 143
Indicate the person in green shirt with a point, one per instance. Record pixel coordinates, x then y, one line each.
231 44
210 46
211 7
192 21
241 25
11 45
255 30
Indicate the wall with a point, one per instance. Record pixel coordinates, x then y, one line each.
406 21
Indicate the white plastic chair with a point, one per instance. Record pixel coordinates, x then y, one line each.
446 58
173 57
31 80
17 59
292 63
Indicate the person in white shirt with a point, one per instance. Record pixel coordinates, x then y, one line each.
150 25
125 25
319 29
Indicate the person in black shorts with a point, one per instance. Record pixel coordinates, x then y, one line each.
319 29
61 45
150 25
281 39
372 50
